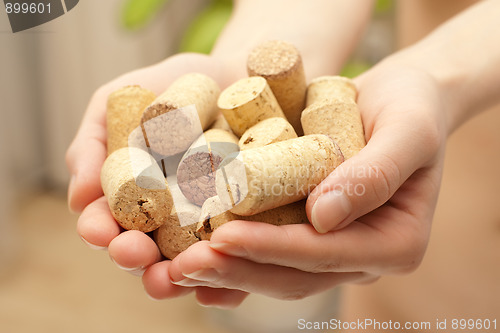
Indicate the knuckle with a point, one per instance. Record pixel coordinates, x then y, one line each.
327 265
295 294
387 177
411 254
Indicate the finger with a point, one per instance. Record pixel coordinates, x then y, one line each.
220 297
157 283
96 226
87 152
85 157
391 241
199 265
370 178
134 251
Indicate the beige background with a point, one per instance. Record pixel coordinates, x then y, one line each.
51 282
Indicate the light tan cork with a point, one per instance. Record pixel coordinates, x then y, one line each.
169 132
248 101
281 65
196 171
213 215
332 110
172 239
331 87
267 131
221 123
178 231
123 114
271 176
136 190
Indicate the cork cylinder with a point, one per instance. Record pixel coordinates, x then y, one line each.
178 231
331 87
221 123
332 110
213 215
178 116
123 114
338 119
281 65
136 190
196 171
277 174
246 102
267 131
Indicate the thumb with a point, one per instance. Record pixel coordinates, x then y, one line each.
367 180
85 157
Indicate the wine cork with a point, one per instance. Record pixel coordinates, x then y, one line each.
221 123
248 101
123 114
178 116
267 131
271 176
172 239
331 87
281 65
178 231
136 190
213 215
332 110
196 171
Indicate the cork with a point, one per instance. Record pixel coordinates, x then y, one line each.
332 110
178 231
172 239
178 116
331 87
267 131
281 65
213 215
136 190
123 114
275 175
246 102
196 171
221 123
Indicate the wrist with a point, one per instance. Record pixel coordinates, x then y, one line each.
324 31
451 79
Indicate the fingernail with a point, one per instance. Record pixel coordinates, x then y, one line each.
331 209
229 249
190 283
206 274
92 246
70 193
151 297
137 271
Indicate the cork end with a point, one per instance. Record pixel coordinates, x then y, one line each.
274 58
241 92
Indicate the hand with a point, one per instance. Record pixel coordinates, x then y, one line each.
132 251
376 222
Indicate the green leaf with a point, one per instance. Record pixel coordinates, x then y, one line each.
136 13
203 32
383 6
354 68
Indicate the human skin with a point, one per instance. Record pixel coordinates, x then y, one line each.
459 275
410 104
134 251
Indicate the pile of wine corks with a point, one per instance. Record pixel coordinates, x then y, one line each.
185 162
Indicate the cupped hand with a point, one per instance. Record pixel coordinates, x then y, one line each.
132 251
371 216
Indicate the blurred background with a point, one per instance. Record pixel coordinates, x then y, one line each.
51 282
